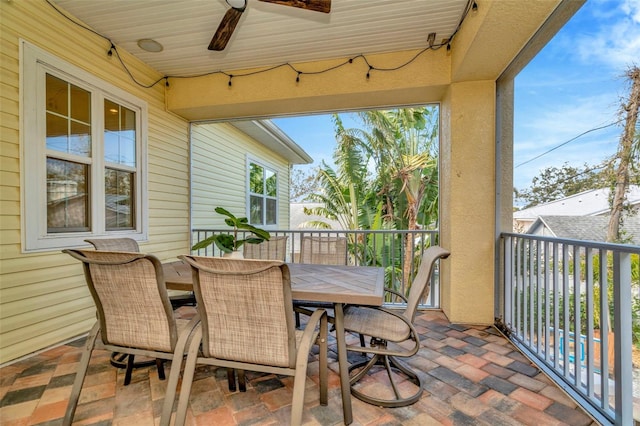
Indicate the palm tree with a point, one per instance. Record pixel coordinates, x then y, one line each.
388 166
401 146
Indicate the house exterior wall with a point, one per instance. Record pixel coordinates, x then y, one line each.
225 184
43 296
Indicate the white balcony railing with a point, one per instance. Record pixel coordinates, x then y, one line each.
572 307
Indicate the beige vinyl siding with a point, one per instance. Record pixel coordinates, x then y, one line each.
219 174
43 296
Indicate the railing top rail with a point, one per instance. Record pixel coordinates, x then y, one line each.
627 248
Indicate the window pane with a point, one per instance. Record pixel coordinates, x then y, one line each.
111 147
80 104
119 199
119 134
57 95
80 139
67 196
57 132
255 179
255 206
68 129
111 116
271 182
127 120
272 212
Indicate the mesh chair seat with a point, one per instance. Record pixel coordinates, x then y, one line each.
273 249
114 244
131 245
382 323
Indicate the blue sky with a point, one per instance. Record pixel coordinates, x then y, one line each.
573 86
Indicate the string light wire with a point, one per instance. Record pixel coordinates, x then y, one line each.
471 5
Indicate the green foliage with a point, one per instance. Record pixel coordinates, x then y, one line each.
554 183
386 177
230 242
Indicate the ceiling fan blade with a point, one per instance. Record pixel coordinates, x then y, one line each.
323 6
225 29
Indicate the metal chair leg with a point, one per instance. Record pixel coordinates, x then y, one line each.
390 363
129 370
160 368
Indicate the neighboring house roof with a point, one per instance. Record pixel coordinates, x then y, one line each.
588 203
298 217
271 136
590 228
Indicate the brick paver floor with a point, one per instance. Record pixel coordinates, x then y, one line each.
473 376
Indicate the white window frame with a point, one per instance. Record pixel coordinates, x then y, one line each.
36 63
265 165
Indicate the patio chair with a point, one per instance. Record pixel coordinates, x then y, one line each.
273 249
385 325
322 251
126 361
114 244
246 315
134 316
131 245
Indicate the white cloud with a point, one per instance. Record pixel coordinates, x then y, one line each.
615 41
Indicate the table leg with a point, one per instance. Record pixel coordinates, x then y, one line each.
343 364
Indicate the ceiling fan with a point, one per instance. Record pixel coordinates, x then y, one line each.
231 18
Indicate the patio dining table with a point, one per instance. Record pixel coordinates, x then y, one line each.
337 284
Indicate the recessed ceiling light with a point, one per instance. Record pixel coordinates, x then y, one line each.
237 4
150 45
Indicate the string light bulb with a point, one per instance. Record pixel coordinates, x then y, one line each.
431 39
230 77
298 77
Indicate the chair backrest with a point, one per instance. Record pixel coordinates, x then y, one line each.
323 250
246 310
421 284
131 298
115 244
274 249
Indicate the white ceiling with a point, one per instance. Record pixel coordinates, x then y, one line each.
267 34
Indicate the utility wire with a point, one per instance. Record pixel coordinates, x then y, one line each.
570 140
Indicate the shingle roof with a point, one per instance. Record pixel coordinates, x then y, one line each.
591 228
587 203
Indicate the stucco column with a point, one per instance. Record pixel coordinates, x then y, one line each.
467 201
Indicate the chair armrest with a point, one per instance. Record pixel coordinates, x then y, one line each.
319 316
396 293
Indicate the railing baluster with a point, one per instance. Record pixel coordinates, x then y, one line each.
577 333
589 355
547 301
551 283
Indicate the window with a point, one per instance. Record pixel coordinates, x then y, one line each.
83 149
263 195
